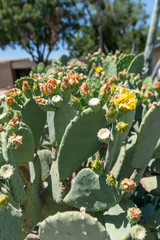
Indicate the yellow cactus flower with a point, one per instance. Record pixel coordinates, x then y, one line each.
98 69
126 100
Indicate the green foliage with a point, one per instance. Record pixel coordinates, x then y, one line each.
106 19
36 26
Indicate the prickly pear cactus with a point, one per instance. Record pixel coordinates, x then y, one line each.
80 151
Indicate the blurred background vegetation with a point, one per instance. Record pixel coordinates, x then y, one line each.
38 26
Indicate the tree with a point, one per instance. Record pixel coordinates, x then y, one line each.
112 24
36 25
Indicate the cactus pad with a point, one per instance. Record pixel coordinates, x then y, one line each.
116 222
72 225
32 208
151 184
10 223
79 141
92 192
35 118
147 138
27 146
19 82
125 62
57 186
137 64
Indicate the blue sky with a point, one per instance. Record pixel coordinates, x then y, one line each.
10 53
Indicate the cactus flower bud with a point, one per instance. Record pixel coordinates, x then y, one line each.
149 94
112 114
154 104
2 128
96 164
122 74
4 200
138 232
14 92
65 83
113 80
14 121
105 90
95 104
111 180
84 89
40 101
6 171
25 86
37 77
15 141
128 185
76 103
134 215
144 87
10 101
121 127
104 135
157 85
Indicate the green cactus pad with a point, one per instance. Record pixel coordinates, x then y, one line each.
124 62
72 225
137 64
16 182
92 192
2 160
6 116
151 184
51 207
10 223
119 163
79 141
127 117
57 186
32 208
45 157
110 68
35 118
156 153
154 221
19 82
147 138
25 152
63 115
123 161
40 67
116 222
148 81
154 165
